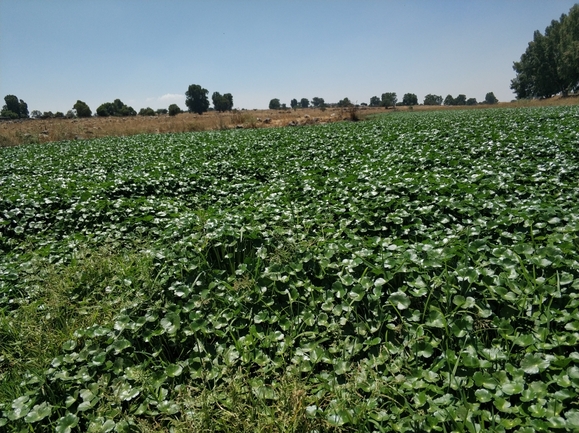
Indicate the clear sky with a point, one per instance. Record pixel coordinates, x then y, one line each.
147 52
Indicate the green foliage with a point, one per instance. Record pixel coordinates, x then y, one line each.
9 114
413 273
389 99
460 100
344 103
274 104
375 101
174 109
14 108
304 103
115 108
222 102
432 99
490 98
147 112
23 110
196 99
549 64
471 101
294 103
409 99
318 102
82 109
161 111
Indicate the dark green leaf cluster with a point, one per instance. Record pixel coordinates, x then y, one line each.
410 99
14 108
174 109
550 64
415 273
432 99
196 99
274 104
318 102
222 102
82 109
147 112
389 99
115 108
345 103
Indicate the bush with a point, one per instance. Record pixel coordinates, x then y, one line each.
81 109
174 110
116 108
147 112
274 104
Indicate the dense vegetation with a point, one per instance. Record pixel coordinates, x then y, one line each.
418 272
550 64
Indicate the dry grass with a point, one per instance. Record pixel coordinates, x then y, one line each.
13 133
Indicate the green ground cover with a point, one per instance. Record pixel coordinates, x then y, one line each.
418 272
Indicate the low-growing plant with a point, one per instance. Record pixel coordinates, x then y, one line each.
413 273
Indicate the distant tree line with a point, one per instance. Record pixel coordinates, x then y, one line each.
550 64
197 101
387 100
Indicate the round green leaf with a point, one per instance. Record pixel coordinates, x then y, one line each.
38 412
173 370
400 300
483 395
436 319
66 423
533 364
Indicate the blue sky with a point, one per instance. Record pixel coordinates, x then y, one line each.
148 52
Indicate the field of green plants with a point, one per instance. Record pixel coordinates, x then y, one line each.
415 272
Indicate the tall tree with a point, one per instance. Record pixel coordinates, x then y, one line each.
409 99
345 103
490 98
389 99
294 103
196 99
318 102
374 101
82 109
550 64
449 100
304 103
274 104
222 102
460 100
14 108
432 99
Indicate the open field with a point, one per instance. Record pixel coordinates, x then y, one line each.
32 131
416 272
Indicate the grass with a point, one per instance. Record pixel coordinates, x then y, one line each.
86 292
